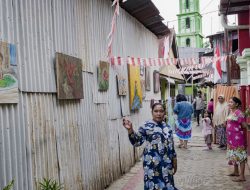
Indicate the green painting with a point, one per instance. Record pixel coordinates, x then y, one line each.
8 74
103 76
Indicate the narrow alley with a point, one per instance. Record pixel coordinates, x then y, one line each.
197 169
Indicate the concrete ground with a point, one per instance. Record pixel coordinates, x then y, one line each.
197 169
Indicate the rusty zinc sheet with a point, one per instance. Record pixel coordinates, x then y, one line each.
227 91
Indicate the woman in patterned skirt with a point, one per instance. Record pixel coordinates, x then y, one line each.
184 111
160 162
236 145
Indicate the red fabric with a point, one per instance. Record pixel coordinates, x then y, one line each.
218 62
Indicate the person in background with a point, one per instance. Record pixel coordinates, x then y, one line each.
183 109
219 121
207 130
200 105
236 152
210 108
159 156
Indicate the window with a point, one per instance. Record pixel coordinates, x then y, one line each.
187 4
187 22
188 42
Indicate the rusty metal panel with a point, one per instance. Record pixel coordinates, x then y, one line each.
54 140
80 143
39 29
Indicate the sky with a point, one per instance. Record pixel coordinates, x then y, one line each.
208 9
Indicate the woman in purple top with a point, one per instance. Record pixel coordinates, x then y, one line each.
210 108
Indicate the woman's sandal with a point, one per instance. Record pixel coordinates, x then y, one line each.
238 180
180 146
233 175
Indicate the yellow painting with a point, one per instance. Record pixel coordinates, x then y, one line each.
135 91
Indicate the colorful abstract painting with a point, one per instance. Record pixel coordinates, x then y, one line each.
69 77
147 79
135 91
121 85
156 76
103 76
8 74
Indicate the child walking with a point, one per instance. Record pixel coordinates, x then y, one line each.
207 130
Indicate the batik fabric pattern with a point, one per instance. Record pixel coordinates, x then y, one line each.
236 145
158 155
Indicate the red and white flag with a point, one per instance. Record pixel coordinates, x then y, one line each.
217 66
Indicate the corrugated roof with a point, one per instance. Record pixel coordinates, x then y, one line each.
233 6
171 71
146 12
235 36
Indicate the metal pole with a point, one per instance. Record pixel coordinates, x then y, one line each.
227 60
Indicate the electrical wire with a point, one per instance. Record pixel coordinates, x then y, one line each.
191 16
207 5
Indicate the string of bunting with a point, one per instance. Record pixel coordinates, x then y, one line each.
113 26
190 63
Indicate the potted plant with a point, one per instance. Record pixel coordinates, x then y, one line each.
9 186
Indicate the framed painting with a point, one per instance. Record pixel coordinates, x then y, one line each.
69 77
121 85
156 77
8 74
142 70
103 76
143 88
135 91
147 79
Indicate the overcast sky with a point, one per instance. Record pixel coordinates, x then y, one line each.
208 8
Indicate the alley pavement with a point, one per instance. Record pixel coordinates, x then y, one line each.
197 169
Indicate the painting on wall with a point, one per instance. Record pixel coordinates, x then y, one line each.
121 85
156 77
147 79
103 76
135 91
142 70
143 88
69 77
8 74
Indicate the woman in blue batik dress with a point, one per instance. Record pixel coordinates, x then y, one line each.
184 111
160 162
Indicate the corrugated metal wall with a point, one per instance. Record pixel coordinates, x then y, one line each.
80 143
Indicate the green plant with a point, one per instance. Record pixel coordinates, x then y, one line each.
49 184
247 112
9 186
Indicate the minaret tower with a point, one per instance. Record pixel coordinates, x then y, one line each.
190 24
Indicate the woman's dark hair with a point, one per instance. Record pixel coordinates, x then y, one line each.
180 98
237 101
211 99
157 104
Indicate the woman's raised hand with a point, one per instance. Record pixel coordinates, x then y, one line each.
127 124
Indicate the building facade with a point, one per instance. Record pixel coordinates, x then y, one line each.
189 24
